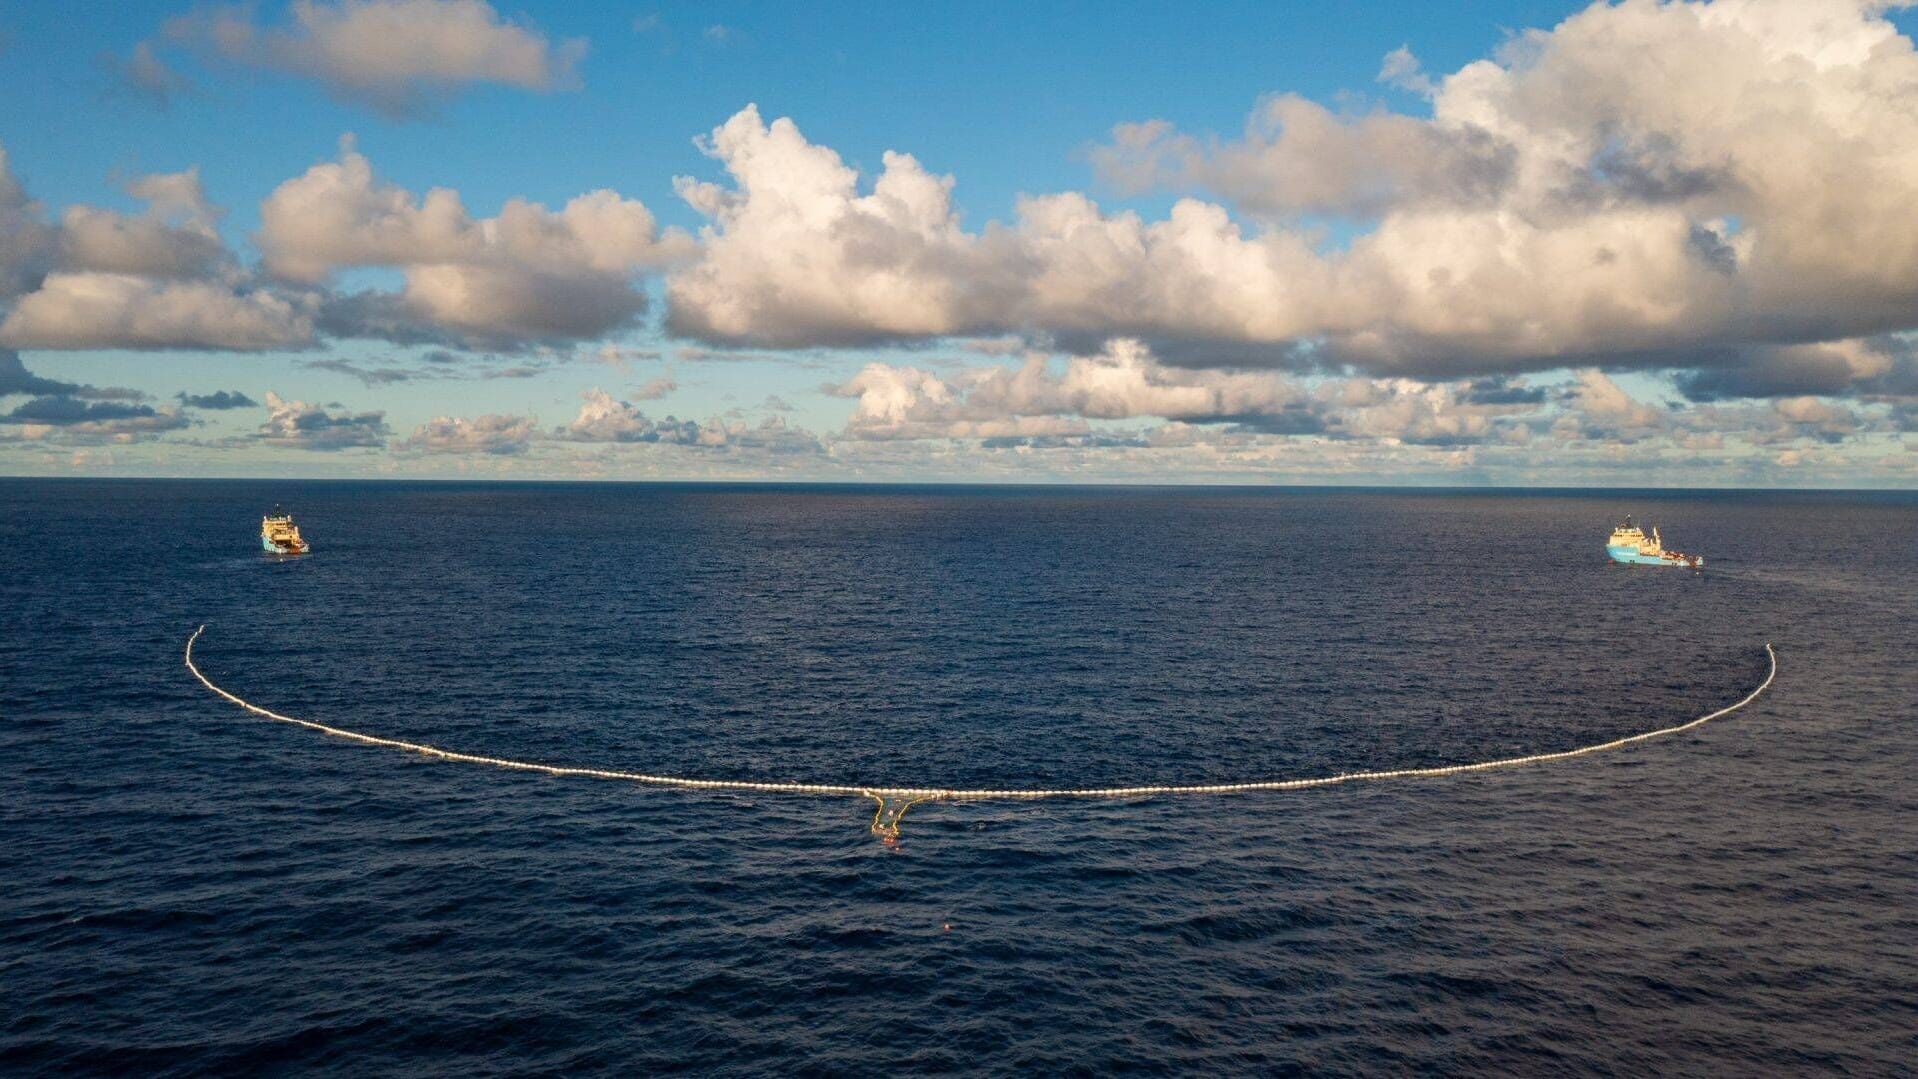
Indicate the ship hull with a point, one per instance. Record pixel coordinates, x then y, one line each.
273 548
1631 557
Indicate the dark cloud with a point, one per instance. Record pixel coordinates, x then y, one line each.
16 379
1712 249
84 421
60 411
223 399
369 377
1647 170
1885 366
1297 419
381 316
1500 390
1094 440
525 312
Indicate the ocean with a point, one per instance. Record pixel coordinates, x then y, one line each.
191 888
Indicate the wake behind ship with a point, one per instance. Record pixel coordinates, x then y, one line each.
279 535
1629 544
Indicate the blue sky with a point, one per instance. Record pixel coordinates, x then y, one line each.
1011 92
1010 101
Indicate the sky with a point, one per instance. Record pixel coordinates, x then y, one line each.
1633 244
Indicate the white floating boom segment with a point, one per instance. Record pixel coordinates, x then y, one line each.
923 793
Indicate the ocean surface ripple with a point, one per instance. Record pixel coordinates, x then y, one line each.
191 888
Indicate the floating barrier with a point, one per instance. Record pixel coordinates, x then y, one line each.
886 820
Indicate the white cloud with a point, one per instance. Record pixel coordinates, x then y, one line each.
1604 410
401 57
604 418
528 274
1300 157
1401 69
1041 399
772 435
491 434
306 426
1123 382
1394 411
175 237
908 403
1813 417
160 279
795 255
1646 185
107 310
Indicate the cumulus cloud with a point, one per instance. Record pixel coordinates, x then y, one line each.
401 57
604 418
1406 411
1676 173
491 434
159 279
1044 400
1602 409
796 256
28 245
1069 404
108 310
175 237
528 274
1299 157
771 435
1123 382
305 426
1645 185
1812 417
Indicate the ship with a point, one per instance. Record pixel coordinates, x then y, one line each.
279 535
1629 544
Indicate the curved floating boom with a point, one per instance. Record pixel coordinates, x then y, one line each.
887 823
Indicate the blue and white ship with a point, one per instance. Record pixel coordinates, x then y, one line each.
1629 544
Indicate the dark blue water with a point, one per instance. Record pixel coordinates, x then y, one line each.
189 888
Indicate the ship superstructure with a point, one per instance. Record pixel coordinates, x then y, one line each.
1629 544
279 535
